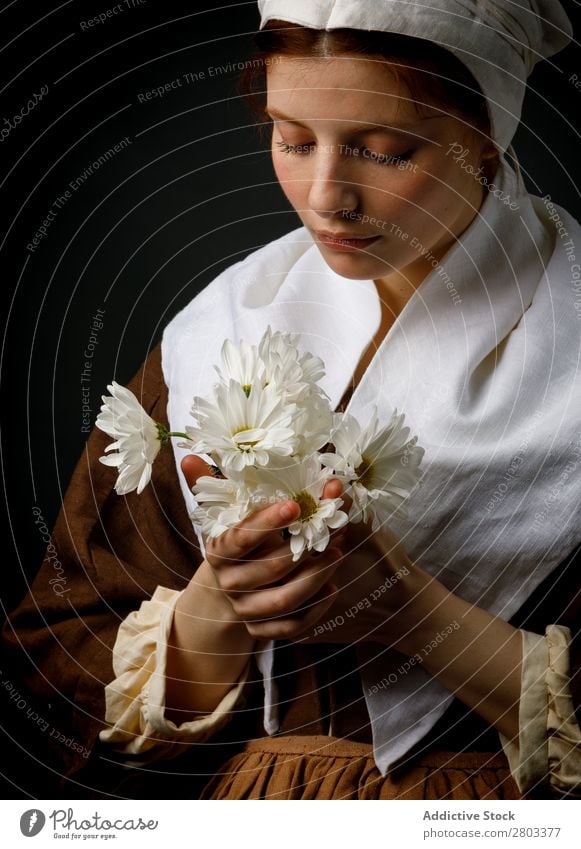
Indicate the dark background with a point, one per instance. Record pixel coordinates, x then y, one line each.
193 192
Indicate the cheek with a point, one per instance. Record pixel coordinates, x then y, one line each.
406 198
292 185
431 196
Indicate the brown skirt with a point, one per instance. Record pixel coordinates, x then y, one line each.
320 767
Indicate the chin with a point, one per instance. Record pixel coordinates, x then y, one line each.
355 266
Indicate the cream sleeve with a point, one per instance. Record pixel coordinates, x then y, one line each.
548 749
135 699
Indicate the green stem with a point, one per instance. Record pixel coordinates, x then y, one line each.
164 434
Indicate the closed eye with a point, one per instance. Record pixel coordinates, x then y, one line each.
364 152
387 158
294 148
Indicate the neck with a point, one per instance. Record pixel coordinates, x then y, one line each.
396 288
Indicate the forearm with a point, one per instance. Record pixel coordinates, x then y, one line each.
477 656
208 648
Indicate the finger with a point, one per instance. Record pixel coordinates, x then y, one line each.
238 542
293 595
294 626
270 568
194 467
333 488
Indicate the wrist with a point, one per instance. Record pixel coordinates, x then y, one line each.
204 594
207 648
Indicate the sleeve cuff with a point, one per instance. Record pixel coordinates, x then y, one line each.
564 734
135 699
528 755
548 750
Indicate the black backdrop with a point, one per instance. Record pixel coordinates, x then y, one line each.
119 201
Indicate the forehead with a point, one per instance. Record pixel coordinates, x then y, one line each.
346 88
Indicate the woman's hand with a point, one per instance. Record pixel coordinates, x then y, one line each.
378 590
384 597
378 594
247 588
251 569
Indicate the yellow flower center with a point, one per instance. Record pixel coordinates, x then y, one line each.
307 504
364 473
246 444
246 389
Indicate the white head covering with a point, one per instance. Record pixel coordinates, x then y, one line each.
499 41
490 381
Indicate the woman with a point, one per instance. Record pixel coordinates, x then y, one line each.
422 268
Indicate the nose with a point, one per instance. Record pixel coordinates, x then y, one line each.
330 193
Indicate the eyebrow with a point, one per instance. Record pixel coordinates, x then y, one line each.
357 128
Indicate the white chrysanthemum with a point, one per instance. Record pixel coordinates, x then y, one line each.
243 430
222 503
313 423
139 438
381 464
293 372
302 482
296 375
242 364
277 360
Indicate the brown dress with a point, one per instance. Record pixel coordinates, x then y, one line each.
114 552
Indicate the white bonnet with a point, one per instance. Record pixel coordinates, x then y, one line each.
499 41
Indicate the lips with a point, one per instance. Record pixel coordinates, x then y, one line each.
344 236
345 241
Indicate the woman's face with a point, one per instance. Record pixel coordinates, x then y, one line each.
355 159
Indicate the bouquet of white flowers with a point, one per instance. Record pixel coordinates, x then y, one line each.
272 435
